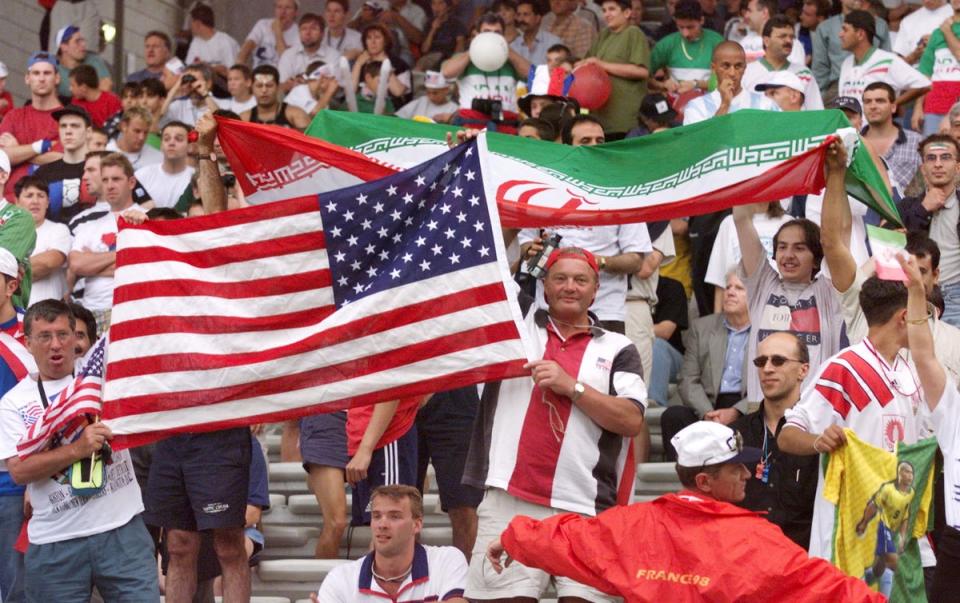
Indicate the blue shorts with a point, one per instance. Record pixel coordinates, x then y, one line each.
886 542
444 424
323 440
395 463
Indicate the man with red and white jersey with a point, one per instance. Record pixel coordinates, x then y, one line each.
560 442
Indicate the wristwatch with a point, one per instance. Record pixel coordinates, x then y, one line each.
603 262
578 390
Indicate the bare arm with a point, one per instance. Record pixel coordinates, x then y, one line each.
42 465
794 440
520 64
456 65
953 43
298 117
649 264
383 413
93 263
213 195
44 264
835 222
751 249
627 71
665 329
933 379
910 95
243 57
624 263
106 84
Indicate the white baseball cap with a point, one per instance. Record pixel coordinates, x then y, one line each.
434 80
780 79
8 263
4 162
3 70
711 443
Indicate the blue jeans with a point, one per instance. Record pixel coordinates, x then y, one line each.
931 123
951 299
663 371
11 562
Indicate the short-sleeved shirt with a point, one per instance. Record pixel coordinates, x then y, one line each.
265 51
753 47
628 46
706 106
439 573
878 66
917 24
496 85
92 59
350 40
726 247
183 109
63 179
58 514
51 236
147 155
943 69
98 236
164 188
542 42
757 71
232 104
946 421
220 49
27 125
295 60
684 60
102 109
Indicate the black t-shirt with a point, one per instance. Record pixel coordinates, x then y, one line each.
63 179
672 305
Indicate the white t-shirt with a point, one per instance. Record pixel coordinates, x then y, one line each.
606 241
704 107
99 236
299 96
232 104
496 85
878 66
858 230
726 247
50 236
58 515
753 47
147 155
439 573
164 188
220 49
294 60
917 24
350 40
757 71
423 106
265 52
946 421
183 109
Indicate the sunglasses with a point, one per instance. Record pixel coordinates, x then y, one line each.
776 360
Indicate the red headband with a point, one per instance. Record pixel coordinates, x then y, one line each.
583 255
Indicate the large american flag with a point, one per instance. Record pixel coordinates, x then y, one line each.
69 411
387 289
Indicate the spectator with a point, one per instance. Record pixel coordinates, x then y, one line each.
318 92
813 13
94 250
636 17
713 377
655 115
668 25
378 46
240 87
408 22
27 133
642 298
867 64
917 27
345 41
543 83
84 87
398 565
269 109
446 36
49 258
522 449
80 13
536 40
6 100
829 54
577 34
166 181
756 15
713 473
72 52
487 97
323 447
152 96
209 46
851 108
778 40
270 38
63 529
559 55
623 52
435 104
97 138
293 63
157 50
534 127
63 175
729 64
507 11
190 97
890 141
132 142
86 328
129 98
785 89
670 319
686 53
939 64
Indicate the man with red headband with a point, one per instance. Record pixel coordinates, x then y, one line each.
559 440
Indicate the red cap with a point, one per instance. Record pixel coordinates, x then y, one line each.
583 255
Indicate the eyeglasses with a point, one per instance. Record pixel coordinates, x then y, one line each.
45 338
934 157
776 360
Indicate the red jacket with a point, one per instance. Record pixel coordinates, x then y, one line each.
677 548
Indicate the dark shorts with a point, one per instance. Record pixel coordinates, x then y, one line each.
444 426
323 440
200 481
886 542
395 463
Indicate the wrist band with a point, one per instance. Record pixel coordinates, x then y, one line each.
917 321
41 146
817 450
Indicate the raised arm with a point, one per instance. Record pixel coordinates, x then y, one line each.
751 249
213 195
933 378
836 220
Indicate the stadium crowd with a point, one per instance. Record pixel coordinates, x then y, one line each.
727 320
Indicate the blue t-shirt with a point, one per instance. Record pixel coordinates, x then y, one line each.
259 490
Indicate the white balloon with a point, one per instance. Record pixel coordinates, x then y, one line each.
489 51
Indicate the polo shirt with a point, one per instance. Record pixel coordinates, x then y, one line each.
878 66
753 47
439 573
295 60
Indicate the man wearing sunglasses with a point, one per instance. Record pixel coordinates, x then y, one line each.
784 485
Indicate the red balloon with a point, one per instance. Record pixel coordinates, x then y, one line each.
591 86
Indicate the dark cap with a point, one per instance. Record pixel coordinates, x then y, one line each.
656 107
73 110
861 19
847 103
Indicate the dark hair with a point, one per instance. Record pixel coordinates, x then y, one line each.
96 130
776 22
770 5
344 4
314 17
96 155
544 128
267 70
399 492
498 4
774 209
557 114
47 310
132 88
539 8
823 7
623 4
163 213
941 139
153 87
117 160
688 10
864 21
175 124
203 69
247 73
560 48
226 113
688 475
313 66
891 93
31 181
566 134
387 36
922 246
811 236
203 14
163 38
880 299
490 19
935 297
85 75
86 317
371 68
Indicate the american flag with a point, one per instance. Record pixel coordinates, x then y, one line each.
383 290
66 415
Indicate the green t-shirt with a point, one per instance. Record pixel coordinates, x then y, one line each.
92 59
628 46
685 60
18 235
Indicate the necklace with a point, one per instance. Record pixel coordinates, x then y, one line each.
894 379
683 47
395 579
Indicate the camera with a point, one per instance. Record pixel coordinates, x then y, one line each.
189 79
229 180
537 265
488 106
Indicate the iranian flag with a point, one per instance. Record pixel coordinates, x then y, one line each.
745 157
